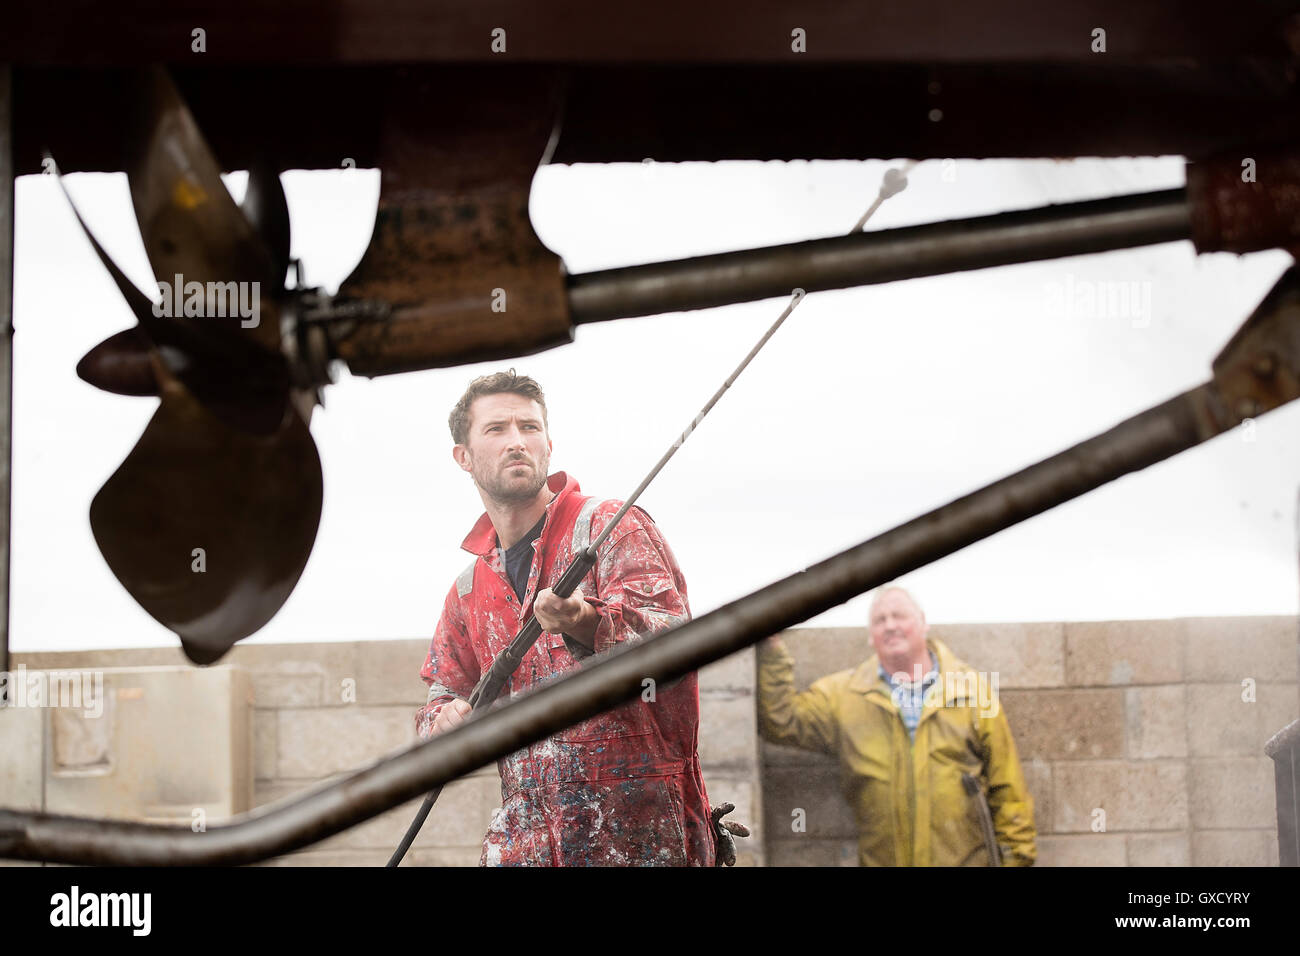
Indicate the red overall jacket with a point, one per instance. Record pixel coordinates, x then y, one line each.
623 788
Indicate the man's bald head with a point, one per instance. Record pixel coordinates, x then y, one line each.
894 589
898 630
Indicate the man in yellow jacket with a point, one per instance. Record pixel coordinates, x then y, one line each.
907 726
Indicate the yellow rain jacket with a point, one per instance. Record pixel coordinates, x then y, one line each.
908 797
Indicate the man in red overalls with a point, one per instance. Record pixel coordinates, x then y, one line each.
623 788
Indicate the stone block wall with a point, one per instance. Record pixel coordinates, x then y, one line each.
328 709
1143 719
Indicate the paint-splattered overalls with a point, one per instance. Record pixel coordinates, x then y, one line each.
623 788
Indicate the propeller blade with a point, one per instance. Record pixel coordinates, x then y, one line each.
267 211
209 527
242 383
140 304
122 363
191 226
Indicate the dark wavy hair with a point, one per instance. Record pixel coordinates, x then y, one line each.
494 384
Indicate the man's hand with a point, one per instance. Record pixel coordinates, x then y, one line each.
451 716
572 615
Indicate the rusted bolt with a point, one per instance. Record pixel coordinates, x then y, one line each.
1247 408
1265 365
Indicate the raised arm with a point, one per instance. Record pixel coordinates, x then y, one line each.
804 720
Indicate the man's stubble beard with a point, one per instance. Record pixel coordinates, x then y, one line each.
493 485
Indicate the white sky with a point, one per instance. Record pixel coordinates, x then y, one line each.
869 407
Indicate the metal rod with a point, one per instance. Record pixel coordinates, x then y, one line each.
891 186
958 245
1147 438
795 298
7 187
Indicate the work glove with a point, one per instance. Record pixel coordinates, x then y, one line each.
724 830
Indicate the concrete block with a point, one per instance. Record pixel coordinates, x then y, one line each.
1066 724
444 856
734 675
1156 721
1119 653
388 672
1159 849
1025 655
1234 848
1228 793
728 733
825 813
1279 705
1228 649
272 791
320 741
22 770
299 675
1221 724
1145 795
459 818
811 851
170 742
100 659
286 689
1038 779
265 726
1092 849
331 858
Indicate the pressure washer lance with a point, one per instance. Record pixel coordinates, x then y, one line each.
503 666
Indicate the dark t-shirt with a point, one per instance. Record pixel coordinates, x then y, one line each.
519 559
